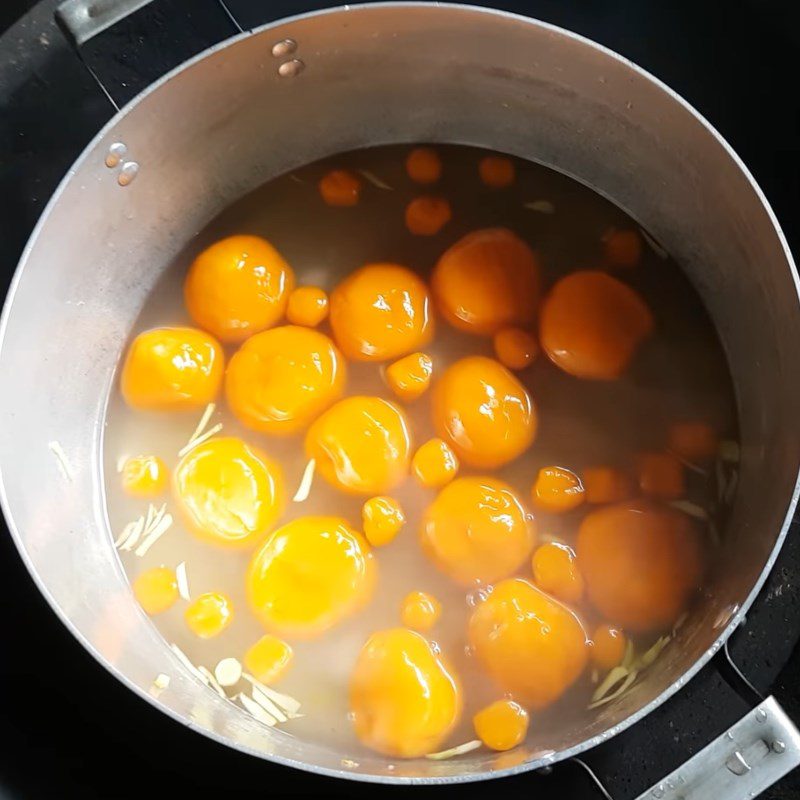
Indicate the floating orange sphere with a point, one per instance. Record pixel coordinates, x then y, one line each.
229 492
488 280
382 519
423 165
405 699
309 575
591 325
557 490
426 216
420 611
608 646
172 369
410 377
308 305
694 441
144 476
501 725
156 589
555 571
515 348
476 530
497 172
381 311
606 485
622 248
361 445
661 475
641 563
281 380
434 464
237 287
340 187
529 643
209 614
268 659
483 412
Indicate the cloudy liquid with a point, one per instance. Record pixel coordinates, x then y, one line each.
680 373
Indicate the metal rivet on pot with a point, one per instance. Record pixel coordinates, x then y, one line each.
289 69
130 169
284 48
115 154
761 715
778 747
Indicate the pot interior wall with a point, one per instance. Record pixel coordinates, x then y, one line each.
373 75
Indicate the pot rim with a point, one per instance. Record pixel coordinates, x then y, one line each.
527 766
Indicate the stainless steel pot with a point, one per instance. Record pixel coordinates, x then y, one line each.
259 105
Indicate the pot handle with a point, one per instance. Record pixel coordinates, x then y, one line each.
749 757
81 20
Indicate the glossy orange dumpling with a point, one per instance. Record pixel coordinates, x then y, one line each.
282 379
483 412
405 699
229 492
556 572
531 645
477 530
237 287
641 562
309 575
361 445
381 311
591 325
172 369
488 280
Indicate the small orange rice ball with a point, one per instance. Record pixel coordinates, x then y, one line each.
426 216
209 614
434 464
497 172
268 659
144 476
423 165
382 519
557 490
488 280
156 590
405 699
622 248
515 348
309 575
381 312
477 531
237 287
483 412
661 475
410 376
308 305
530 644
694 441
172 369
340 187
555 571
608 647
420 611
501 725
606 485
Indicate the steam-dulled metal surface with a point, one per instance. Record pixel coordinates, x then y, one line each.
679 727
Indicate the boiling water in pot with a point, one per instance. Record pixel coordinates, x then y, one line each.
664 430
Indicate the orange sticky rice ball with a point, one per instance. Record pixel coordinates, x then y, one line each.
144 476
555 571
661 475
477 531
281 380
501 725
488 280
382 519
591 325
420 611
308 305
410 376
531 645
641 562
340 187
237 287
423 165
361 445
557 490
172 369
483 412
515 348
622 248
156 589
426 216
380 312
606 485
608 646
434 464
497 172
209 614
309 575
405 699
228 492
694 441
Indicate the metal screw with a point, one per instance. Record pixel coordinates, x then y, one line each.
778 747
290 69
761 715
284 48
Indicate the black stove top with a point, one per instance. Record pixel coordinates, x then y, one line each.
69 728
